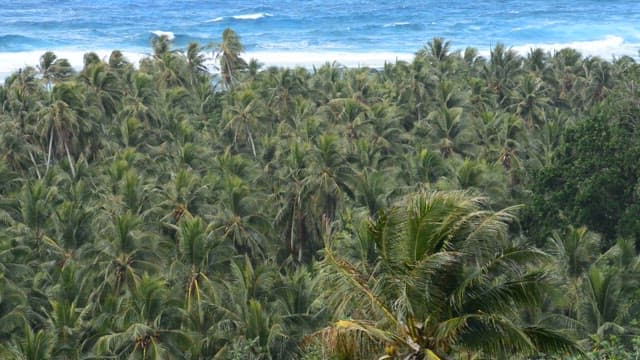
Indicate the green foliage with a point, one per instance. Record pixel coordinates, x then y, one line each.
594 180
196 205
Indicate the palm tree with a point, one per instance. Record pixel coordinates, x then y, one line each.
227 54
145 325
197 254
296 298
196 63
448 129
238 220
575 250
437 48
447 281
62 124
13 303
241 115
503 71
35 345
35 203
54 69
285 85
529 100
328 177
372 189
161 45
123 255
421 166
106 90
251 331
604 303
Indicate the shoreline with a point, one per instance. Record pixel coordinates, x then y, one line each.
608 48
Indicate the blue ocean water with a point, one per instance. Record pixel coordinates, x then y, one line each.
284 28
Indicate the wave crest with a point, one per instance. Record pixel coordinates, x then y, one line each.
159 33
611 45
396 24
255 16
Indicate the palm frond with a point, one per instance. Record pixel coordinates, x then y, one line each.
550 342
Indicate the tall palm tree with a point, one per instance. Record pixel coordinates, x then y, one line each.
227 54
54 69
438 49
106 90
503 71
63 124
241 117
328 177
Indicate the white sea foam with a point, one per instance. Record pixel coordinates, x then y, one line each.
255 16
401 23
309 59
218 19
170 36
13 61
284 45
610 46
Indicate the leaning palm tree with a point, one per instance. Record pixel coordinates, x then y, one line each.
447 283
54 69
228 55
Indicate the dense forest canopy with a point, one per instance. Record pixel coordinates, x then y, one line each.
451 207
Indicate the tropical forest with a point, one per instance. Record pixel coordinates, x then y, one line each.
201 205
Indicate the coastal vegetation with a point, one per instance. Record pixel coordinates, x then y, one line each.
456 206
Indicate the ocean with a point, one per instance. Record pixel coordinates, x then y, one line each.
306 32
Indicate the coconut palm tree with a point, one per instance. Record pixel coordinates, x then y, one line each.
145 325
530 101
61 124
106 90
449 131
328 177
503 71
227 53
54 69
603 305
241 117
34 345
239 220
447 281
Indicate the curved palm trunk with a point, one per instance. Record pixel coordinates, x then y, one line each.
253 146
49 152
71 163
35 164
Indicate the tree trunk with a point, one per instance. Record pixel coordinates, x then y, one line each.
71 165
253 147
49 152
35 165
